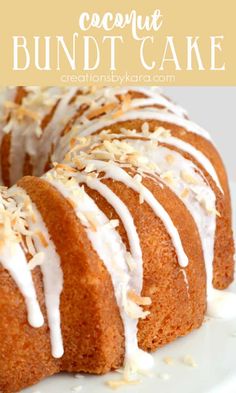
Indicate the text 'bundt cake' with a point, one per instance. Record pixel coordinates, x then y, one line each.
115 233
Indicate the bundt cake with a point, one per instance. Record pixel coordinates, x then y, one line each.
115 233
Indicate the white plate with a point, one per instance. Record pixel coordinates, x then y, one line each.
213 348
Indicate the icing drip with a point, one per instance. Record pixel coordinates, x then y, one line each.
63 113
114 172
182 175
12 256
25 124
199 156
109 246
144 114
221 304
14 261
128 222
51 271
200 201
153 97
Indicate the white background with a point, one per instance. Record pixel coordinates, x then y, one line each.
213 108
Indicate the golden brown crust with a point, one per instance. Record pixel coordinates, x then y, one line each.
4 156
224 243
223 273
172 312
91 325
25 351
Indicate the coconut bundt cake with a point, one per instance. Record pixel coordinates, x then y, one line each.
115 233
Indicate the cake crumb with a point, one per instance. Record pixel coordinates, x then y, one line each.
78 376
121 382
170 159
76 388
164 376
168 360
189 361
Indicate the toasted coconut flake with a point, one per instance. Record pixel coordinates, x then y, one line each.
164 376
188 178
145 127
161 132
42 238
126 102
170 158
102 155
64 167
89 167
33 218
8 127
73 142
114 223
30 245
10 105
185 193
22 112
91 218
13 220
104 135
132 309
101 110
79 376
79 164
37 260
121 382
168 360
140 300
168 176
76 388
38 131
117 114
207 207
189 361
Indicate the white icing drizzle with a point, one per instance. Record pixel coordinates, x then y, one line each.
220 304
109 246
128 222
24 137
13 259
114 172
200 197
51 271
107 120
153 97
197 154
50 136
201 204
144 114
186 281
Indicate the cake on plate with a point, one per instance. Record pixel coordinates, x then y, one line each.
115 230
